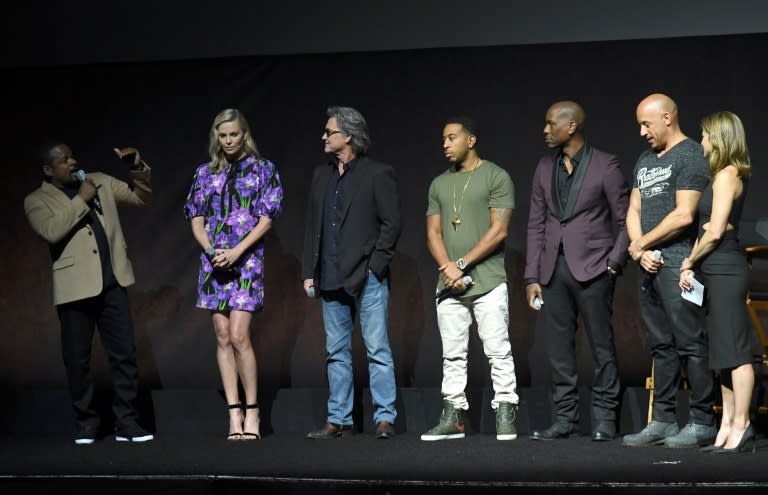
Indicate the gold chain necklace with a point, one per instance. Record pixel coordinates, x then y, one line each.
457 211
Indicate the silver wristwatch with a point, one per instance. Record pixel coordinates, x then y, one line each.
210 251
461 264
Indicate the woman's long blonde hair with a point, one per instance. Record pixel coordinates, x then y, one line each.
729 143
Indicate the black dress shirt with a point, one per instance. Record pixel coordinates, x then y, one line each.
330 277
107 275
564 178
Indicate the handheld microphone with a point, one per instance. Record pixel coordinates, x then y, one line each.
648 278
80 176
311 291
445 291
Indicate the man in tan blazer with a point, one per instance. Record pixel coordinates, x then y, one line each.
77 216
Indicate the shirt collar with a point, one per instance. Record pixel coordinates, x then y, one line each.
575 159
334 163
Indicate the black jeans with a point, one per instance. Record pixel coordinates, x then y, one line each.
677 340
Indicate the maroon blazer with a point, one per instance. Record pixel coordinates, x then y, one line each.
592 226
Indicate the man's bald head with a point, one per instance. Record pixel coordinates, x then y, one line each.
657 116
661 103
571 111
564 124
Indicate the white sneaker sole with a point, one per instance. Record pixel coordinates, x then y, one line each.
510 436
84 441
452 436
144 438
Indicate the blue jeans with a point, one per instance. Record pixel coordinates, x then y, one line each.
339 310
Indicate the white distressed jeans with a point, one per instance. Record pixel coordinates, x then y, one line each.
491 312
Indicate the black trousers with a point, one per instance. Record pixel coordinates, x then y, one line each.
109 312
565 299
677 339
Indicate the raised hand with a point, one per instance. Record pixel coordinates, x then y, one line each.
129 155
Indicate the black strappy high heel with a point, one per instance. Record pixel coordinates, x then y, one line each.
235 436
247 435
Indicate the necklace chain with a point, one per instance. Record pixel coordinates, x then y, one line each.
457 211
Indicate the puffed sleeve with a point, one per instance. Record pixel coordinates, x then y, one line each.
196 204
271 198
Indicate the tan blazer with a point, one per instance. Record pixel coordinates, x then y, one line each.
75 255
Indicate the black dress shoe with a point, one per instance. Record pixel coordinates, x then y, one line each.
557 430
384 430
330 430
604 431
603 436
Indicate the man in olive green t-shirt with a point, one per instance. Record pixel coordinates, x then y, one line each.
470 206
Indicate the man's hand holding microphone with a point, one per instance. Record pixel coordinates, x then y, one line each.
309 288
650 262
88 191
454 279
533 296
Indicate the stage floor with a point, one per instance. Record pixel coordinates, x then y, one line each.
290 463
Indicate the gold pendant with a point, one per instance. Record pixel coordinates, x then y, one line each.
456 221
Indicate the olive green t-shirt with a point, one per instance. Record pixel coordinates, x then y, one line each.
490 186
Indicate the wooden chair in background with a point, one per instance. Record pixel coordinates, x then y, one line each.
757 298
757 305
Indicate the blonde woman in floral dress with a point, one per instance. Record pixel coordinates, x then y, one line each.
231 205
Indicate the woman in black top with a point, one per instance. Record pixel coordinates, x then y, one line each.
722 267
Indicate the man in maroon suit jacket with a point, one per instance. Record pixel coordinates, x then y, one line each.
577 245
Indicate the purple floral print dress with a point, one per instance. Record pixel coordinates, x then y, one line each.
231 203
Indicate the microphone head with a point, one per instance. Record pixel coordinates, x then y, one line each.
657 254
467 280
80 175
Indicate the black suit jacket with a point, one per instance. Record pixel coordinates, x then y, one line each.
369 227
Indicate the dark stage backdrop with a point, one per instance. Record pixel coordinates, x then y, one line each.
165 109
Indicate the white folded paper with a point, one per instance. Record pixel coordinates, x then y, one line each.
695 295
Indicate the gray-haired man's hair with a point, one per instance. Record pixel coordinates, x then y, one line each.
352 123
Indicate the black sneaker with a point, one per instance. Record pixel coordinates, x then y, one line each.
134 433
86 434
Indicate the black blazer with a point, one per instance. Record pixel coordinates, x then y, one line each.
369 227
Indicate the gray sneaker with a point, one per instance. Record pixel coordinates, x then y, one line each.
451 424
653 434
506 413
692 435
